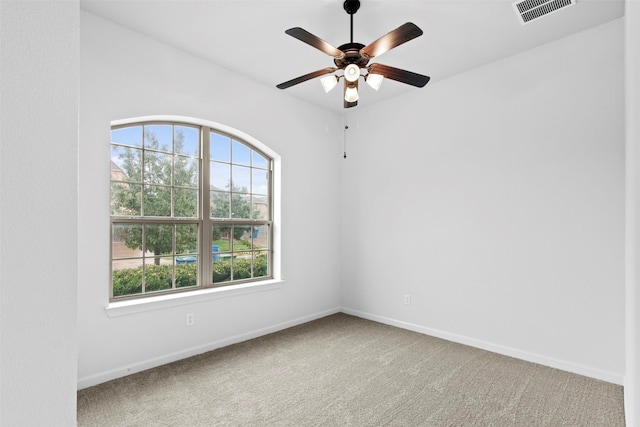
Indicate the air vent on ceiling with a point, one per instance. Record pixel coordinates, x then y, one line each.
529 10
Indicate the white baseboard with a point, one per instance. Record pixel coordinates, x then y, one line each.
123 371
575 368
563 365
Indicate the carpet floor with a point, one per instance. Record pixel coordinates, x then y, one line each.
346 371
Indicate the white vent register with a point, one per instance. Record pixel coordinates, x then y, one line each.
530 10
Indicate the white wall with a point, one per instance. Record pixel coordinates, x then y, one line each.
496 200
124 74
632 90
38 211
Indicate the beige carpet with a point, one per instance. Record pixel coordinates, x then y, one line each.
346 371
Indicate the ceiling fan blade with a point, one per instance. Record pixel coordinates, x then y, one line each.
306 77
348 104
400 35
399 75
317 42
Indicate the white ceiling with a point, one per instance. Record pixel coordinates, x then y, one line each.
248 36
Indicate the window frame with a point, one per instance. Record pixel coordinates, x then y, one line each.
204 220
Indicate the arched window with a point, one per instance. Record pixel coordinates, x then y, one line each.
191 208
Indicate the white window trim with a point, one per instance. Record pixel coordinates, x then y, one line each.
150 303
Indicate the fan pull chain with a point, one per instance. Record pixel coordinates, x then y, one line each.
345 140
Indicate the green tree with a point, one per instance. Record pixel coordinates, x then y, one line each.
156 193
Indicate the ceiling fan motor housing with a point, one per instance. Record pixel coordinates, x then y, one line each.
351 56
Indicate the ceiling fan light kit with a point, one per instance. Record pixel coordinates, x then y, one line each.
351 72
352 58
329 82
351 94
374 80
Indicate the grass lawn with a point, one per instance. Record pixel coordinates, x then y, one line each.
238 245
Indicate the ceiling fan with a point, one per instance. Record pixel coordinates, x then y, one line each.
352 58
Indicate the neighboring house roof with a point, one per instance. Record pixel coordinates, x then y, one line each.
115 167
116 171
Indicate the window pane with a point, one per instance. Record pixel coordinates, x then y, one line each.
261 237
158 240
220 147
221 270
221 238
127 136
260 264
187 261
187 239
241 266
220 176
126 241
187 273
240 154
219 204
158 274
242 238
158 137
125 199
260 207
126 164
157 168
241 179
185 203
186 140
126 277
157 201
259 161
260 182
185 171
240 206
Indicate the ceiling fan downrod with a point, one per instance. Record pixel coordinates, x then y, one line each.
351 7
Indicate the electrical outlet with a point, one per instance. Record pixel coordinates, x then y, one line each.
191 319
407 299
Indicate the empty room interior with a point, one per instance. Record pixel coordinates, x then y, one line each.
494 206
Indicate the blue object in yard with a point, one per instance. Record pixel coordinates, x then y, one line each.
256 230
185 260
214 249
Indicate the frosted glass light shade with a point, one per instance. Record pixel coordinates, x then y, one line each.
329 82
374 80
352 72
351 94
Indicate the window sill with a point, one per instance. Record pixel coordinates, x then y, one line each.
160 302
